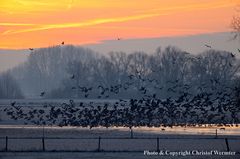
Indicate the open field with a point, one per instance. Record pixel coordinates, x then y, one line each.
115 142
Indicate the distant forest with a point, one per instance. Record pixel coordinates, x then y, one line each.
76 72
9 88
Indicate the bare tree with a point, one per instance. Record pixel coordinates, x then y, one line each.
235 24
213 70
9 87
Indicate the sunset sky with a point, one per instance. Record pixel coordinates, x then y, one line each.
41 23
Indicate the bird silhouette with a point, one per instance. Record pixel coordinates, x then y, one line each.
73 76
13 103
130 76
239 50
62 43
208 46
232 55
119 38
42 94
31 49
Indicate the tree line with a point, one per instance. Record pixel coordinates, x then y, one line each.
166 73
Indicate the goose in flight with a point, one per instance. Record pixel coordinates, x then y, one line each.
208 46
42 94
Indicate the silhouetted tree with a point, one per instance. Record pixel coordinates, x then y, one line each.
9 87
236 25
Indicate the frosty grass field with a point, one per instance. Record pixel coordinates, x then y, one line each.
191 138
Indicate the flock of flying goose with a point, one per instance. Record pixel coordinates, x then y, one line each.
184 110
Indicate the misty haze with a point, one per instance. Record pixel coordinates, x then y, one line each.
119 79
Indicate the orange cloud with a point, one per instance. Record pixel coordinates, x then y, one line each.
40 23
155 12
15 24
73 25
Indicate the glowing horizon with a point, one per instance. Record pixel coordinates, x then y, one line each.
25 23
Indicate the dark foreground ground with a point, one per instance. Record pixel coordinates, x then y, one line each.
101 155
181 139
